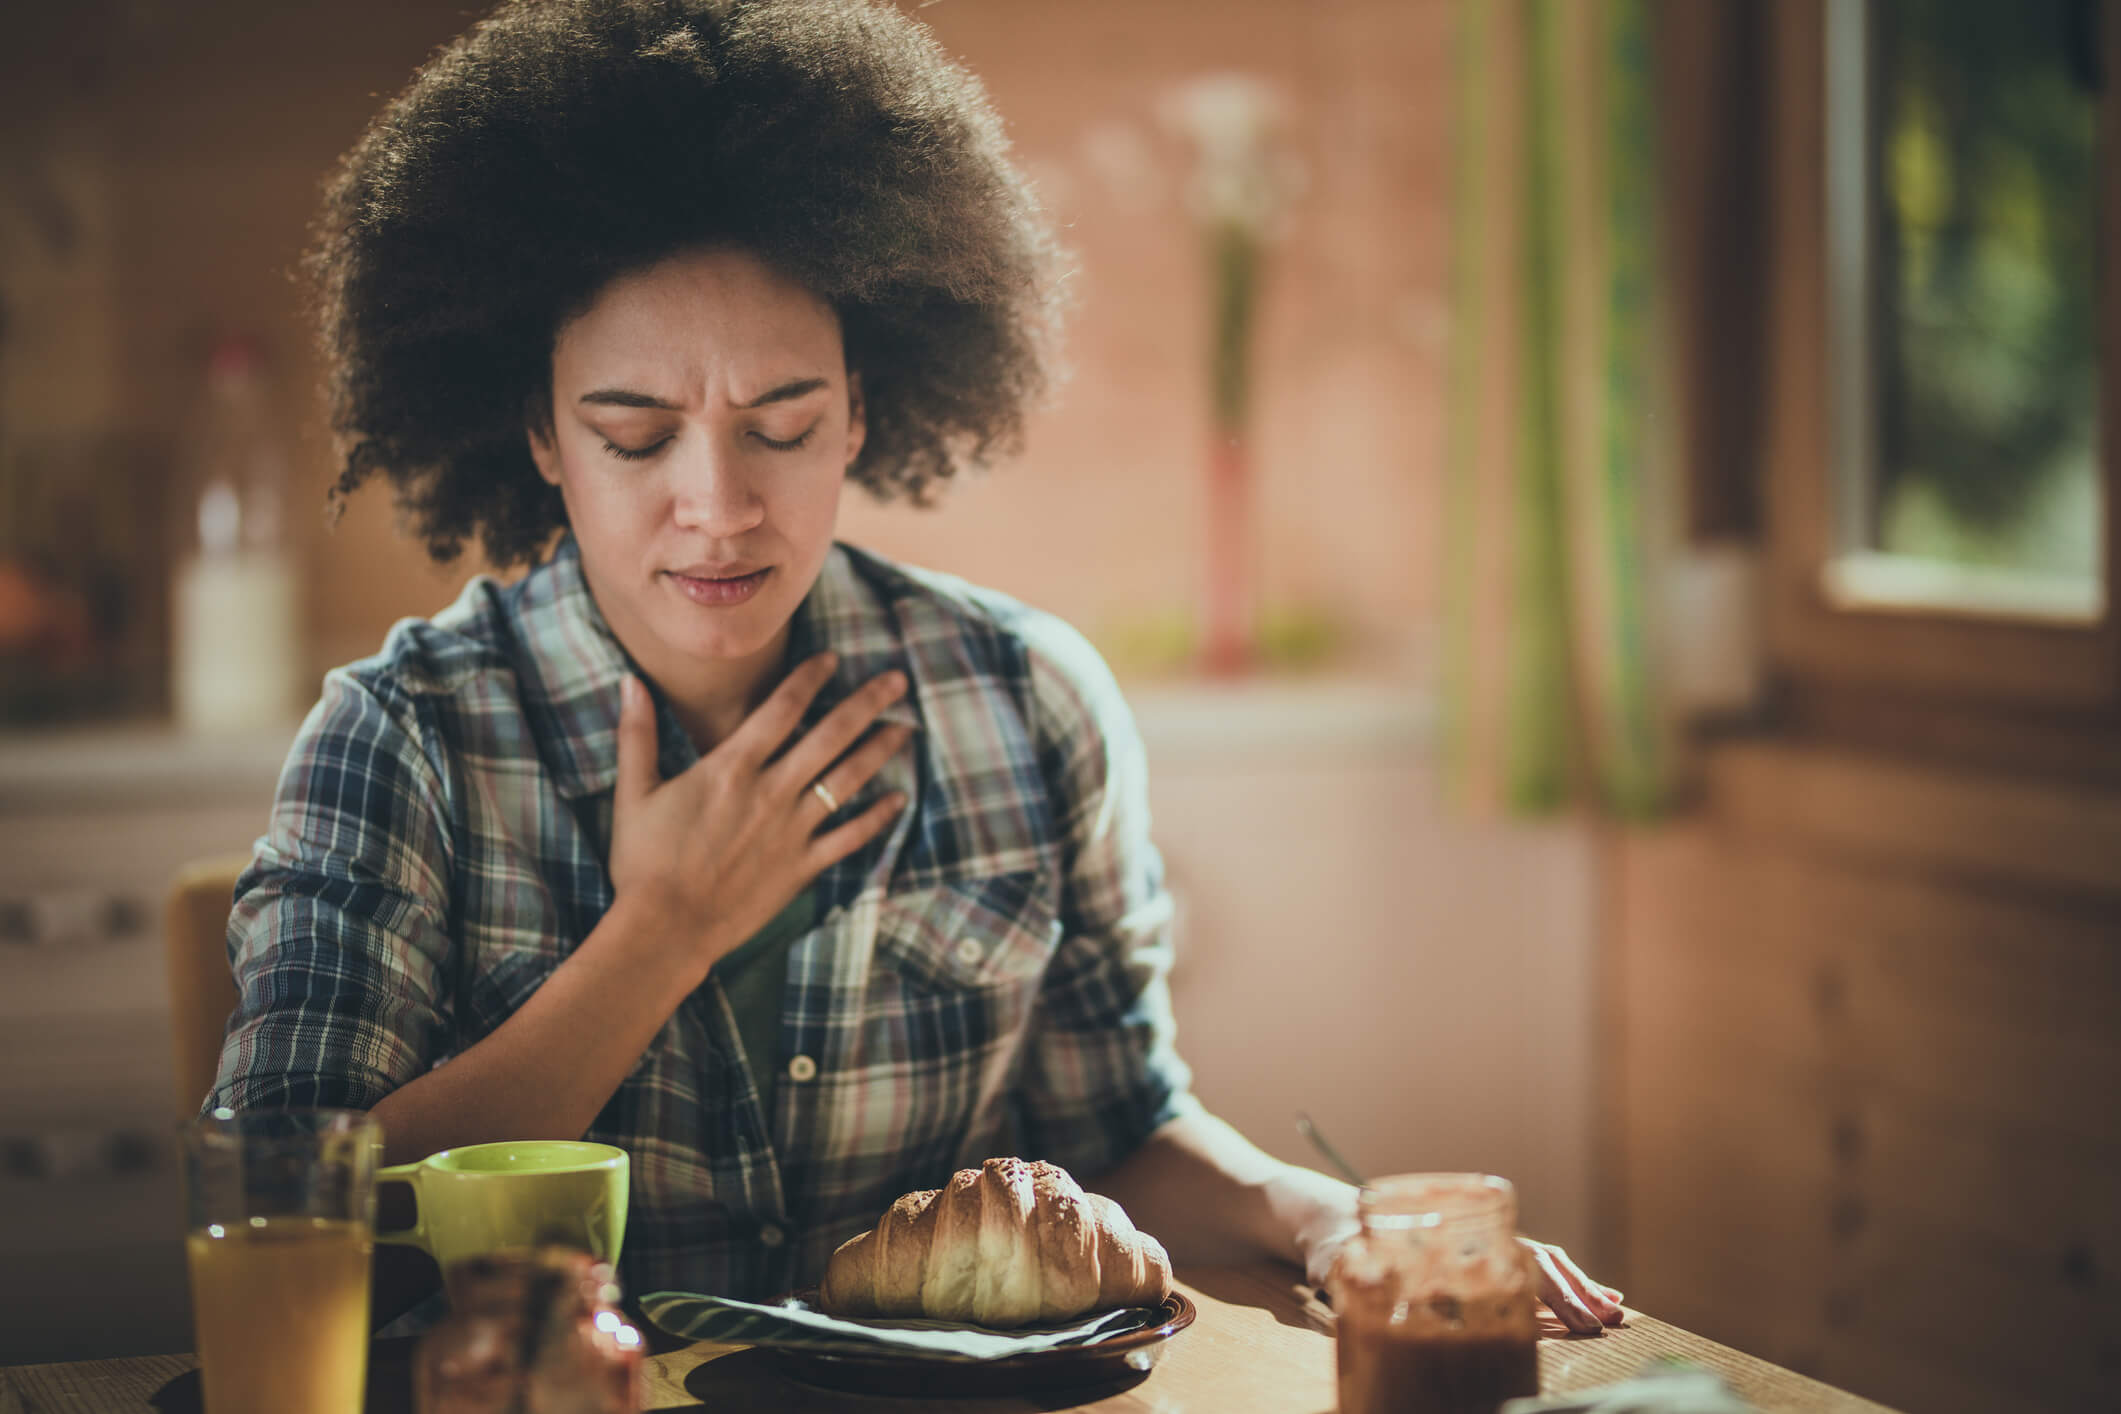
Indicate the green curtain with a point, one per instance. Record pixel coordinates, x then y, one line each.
1556 464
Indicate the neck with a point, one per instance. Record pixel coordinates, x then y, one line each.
711 698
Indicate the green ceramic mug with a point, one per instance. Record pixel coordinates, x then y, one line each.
485 1197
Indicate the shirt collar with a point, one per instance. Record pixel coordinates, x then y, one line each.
572 664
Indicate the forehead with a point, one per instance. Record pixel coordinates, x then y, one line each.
712 312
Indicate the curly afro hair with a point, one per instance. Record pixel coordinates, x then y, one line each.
564 142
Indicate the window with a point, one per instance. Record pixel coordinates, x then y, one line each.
1962 216
1940 467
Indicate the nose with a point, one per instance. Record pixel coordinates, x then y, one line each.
712 494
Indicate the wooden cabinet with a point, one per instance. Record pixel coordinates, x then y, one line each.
1871 1052
92 828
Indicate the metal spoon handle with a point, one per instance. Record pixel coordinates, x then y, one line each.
1318 1142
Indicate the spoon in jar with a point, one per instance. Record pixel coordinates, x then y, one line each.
1333 1156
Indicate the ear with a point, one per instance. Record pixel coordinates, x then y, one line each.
857 418
542 450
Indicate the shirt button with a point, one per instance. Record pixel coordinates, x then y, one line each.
802 1070
969 952
771 1235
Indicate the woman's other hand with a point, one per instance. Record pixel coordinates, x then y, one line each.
1581 1304
1577 1302
1326 1228
720 848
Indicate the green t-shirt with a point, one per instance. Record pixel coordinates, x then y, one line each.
753 977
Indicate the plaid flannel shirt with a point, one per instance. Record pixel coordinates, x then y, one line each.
986 977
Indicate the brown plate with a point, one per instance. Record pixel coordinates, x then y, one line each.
1124 1359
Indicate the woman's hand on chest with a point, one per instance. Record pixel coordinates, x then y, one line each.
717 850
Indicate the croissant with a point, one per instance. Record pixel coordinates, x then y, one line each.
1002 1245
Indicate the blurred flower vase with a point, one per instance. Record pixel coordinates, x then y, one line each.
1242 181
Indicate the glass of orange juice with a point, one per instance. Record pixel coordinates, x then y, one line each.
280 1212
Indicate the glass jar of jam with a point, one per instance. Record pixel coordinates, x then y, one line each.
1435 1299
530 1330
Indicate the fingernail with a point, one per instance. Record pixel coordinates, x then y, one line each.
630 690
895 681
827 660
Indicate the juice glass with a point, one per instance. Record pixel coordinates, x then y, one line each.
280 1217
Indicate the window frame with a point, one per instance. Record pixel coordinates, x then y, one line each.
1968 657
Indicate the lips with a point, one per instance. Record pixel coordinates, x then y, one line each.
728 569
719 585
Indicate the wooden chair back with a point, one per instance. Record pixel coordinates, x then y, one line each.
202 990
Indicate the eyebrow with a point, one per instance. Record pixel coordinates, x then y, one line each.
627 398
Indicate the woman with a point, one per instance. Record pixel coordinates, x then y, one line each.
802 876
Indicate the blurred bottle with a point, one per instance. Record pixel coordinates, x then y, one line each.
235 651
530 1331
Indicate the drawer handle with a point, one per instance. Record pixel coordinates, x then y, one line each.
1850 1215
82 916
124 916
1829 993
72 1155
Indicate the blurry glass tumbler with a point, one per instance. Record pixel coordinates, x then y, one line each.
280 1210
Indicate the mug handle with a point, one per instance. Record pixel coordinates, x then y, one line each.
416 1235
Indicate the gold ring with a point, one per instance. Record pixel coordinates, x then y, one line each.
817 788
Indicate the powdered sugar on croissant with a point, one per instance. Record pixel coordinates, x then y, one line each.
1002 1245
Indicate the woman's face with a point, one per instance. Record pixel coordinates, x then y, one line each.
702 423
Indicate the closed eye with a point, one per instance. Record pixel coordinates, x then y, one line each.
788 446
634 454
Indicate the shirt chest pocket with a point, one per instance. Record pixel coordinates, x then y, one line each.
996 930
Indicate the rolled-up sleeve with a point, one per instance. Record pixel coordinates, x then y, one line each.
1101 1068
339 940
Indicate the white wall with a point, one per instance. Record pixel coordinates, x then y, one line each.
1420 983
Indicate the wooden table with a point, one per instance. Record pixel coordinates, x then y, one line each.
1260 1343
